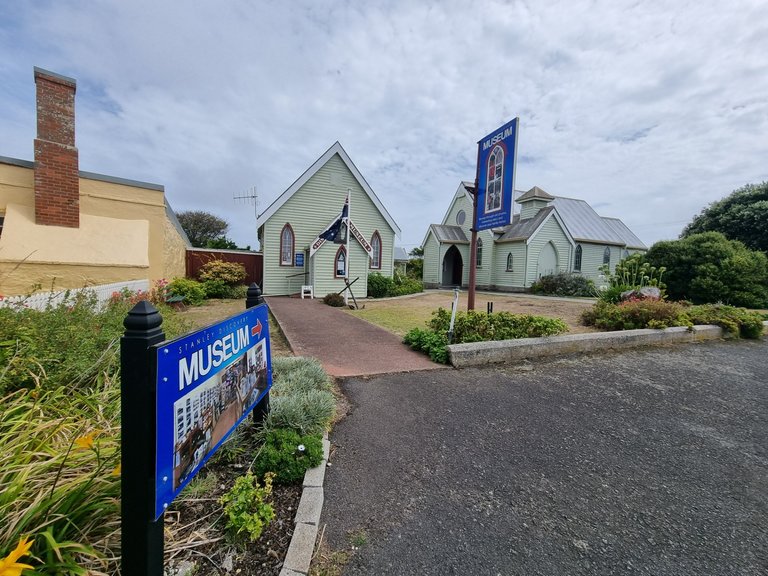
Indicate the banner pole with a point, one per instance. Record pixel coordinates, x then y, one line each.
346 248
473 254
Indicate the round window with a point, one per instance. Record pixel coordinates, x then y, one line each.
460 217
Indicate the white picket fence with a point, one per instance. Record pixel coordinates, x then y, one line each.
40 300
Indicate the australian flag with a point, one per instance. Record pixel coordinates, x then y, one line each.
335 232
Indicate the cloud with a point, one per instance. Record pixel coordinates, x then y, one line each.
650 111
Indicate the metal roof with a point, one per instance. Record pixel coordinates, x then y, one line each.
401 254
584 223
622 230
535 193
522 229
449 234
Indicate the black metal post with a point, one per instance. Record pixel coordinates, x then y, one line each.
254 298
489 307
142 537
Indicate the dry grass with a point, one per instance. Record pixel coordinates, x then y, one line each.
399 315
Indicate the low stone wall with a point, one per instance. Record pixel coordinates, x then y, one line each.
511 351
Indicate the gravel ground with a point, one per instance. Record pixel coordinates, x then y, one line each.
651 461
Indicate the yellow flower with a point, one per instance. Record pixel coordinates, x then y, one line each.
85 442
117 470
9 566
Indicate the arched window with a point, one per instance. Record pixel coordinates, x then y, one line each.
495 177
479 260
607 255
577 259
376 247
625 255
509 262
340 263
286 246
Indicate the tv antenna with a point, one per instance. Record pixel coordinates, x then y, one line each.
250 196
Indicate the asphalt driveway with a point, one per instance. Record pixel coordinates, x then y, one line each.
650 461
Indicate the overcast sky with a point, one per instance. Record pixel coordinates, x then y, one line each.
647 110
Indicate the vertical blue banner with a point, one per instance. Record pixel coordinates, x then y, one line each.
496 168
207 383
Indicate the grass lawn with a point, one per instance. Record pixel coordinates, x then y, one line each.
399 315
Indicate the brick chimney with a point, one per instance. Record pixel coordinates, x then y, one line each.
57 184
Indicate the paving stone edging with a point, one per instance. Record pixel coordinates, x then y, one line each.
307 518
483 353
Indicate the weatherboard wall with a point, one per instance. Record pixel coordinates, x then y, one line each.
309 210
504 279
551 231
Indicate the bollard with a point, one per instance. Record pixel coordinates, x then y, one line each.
142 538
254 298
489 307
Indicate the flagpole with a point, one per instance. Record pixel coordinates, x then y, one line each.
349 256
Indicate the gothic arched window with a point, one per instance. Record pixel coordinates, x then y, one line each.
286 246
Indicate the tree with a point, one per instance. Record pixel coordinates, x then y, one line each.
710 268
202 227
743 216
415 267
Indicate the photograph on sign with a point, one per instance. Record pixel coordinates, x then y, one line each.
207 383
496 166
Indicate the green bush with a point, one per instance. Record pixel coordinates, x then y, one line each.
294 374
431 343
231 273
288 455
246 506
476 326
709 268
72 343
333 299
633 315
220 289
564 284
383 286
192 290
612 294
737 321
379 286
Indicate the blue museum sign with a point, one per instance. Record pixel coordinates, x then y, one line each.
207 383
496 168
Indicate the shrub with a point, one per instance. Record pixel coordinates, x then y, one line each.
709 268
288 455
246 505
230 273
192 290
564 284
379 286
612 294
294 374
219 289
476 326
431 343
737 321
305 412
333 299
632 315
382 286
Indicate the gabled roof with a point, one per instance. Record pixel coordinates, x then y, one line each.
401 254
523 229
311 171
625 233
584 223
535 193
449 234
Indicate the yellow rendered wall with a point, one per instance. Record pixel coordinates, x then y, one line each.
124 235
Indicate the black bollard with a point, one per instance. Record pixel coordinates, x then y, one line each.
254 298
142 536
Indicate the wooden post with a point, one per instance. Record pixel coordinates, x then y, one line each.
254 298
142 536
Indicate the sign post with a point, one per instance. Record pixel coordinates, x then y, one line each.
142 534
180 401
494 189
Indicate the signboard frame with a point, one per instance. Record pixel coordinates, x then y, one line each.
206 381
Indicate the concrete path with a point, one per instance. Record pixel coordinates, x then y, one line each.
651 461
344 344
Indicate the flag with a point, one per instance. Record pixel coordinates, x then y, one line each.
334 232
